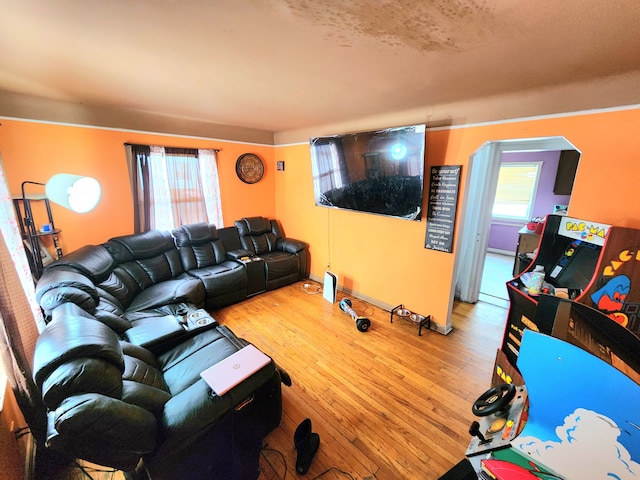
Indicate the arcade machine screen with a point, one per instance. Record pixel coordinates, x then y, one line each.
574 269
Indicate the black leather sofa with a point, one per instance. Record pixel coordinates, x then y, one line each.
119 362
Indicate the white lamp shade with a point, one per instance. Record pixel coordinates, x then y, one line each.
80 194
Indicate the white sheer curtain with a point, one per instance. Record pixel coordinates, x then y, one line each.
13 240
162 218
199 184
21 320
211 186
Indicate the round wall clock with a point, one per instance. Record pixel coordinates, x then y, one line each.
249 168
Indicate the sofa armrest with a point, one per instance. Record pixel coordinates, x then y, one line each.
238 254
290 245
100 429
57 286
154 333
114 322
197 408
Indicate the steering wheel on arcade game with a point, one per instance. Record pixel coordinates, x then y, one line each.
496 399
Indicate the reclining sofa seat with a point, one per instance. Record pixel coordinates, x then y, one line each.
285 260
149 273
124 280
204 257
116 404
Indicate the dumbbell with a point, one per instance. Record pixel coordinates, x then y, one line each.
362 323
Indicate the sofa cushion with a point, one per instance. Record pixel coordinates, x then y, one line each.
194 234
255 235
139 246
103 430
280 264
154 332
81 375
290 245
199 246
94 261
182 365
226 277
120 288
58 286
182 290
143 260
114 322
144 385
149 271
74 337
253 226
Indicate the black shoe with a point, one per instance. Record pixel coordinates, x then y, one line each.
306 443
284 377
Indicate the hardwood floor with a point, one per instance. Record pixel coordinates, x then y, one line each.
498 270
387 403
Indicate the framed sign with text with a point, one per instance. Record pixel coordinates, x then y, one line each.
444 184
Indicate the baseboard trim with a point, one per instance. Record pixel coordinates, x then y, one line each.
501 252
384 306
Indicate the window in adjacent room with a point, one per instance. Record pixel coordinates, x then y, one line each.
517 186
173 187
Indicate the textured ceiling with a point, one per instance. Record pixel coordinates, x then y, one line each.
280 65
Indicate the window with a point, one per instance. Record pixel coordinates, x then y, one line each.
173 187
517 185
326 166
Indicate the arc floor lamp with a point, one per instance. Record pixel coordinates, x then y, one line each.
77 193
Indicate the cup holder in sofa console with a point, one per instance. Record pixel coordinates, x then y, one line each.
198 319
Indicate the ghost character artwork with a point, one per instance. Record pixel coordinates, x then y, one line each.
610 298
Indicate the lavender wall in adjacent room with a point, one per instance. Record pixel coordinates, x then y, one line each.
504 235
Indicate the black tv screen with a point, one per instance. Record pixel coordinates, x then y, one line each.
378 172
575 267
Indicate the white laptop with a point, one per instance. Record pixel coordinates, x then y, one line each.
230 371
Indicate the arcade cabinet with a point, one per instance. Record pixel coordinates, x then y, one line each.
569 252
572 352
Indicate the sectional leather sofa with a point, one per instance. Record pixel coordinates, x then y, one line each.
131 324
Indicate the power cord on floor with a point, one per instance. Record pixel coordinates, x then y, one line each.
21 432
283 459
85 470
311 288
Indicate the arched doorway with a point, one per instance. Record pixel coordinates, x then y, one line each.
482 179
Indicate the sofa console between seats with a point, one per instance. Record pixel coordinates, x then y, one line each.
129 331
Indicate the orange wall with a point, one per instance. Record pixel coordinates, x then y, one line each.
35 151
385 259
12 460
377 257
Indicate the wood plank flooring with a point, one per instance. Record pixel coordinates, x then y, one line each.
497 271
387 403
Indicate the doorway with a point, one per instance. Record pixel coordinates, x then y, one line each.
496 272
482 180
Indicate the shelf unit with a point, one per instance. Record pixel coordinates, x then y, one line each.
31 236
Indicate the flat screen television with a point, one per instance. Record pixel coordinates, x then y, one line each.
379 172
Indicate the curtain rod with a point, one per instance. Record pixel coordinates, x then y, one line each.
127 144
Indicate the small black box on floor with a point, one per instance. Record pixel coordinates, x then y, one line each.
462 471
